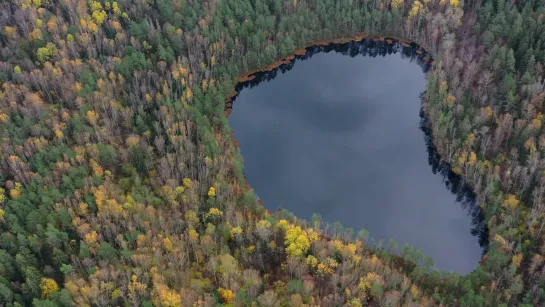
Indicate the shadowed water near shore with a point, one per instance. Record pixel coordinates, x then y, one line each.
345 137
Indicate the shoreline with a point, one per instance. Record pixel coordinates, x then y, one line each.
250 75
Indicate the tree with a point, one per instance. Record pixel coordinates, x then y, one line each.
48 287
287 47
270 53
46 53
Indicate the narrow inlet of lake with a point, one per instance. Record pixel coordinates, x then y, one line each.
340 136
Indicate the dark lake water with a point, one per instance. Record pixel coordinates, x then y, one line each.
341 136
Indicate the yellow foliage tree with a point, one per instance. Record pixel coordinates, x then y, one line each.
132 140
351 248
235 231
328 266
504 244
91 238
115 8
167 244
16 191
189 94
215 212
417 7
462 158
97 169
92 117
187 182
93 27
48 287
191 218
472 158
99 15
297 241
263 224
193 235
10 32
148 97
511 201
227 295
3 197
162 295
45 53
368 280
135 286
354 302
4 118
414 291
283 224
313 235
338 244
39 3
36 34
517 259
312 261
212 192
397 4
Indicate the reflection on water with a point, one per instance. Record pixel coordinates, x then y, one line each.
456 185
340 136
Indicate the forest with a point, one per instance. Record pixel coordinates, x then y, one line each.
121 183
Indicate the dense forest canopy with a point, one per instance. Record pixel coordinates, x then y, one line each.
121 183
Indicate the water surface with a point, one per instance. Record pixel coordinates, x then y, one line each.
340 136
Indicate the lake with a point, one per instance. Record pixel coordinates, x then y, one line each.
342 136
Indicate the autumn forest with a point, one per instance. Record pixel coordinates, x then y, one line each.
121 182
